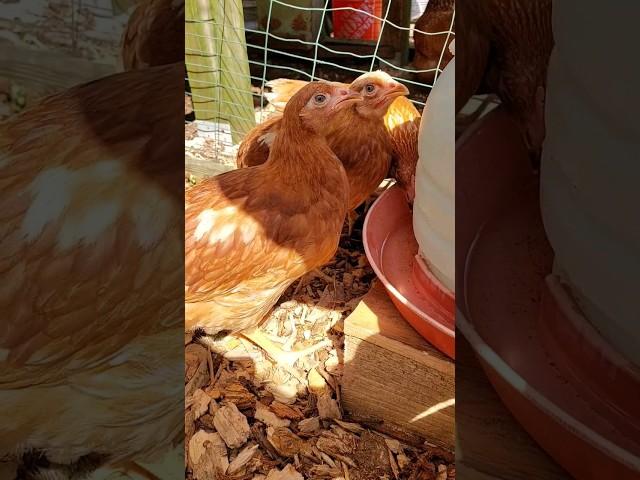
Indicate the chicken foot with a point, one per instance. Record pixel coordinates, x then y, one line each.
282 358
352 217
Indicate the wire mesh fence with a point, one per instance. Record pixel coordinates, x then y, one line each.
234 47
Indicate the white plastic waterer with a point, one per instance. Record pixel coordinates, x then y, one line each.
590 170
434 204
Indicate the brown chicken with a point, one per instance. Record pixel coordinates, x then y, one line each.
504 49
356 135
401 120
91 241
403 124
432 51
250 233
154 34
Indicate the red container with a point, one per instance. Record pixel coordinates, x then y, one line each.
348 24
574 394
418 295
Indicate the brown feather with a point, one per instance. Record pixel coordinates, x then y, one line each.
403 123
505 50
91 232
250 233
361 142
432 51
154 34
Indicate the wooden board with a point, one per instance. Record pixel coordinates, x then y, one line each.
490 440
203 167
393 375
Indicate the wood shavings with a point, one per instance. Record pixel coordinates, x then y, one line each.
324 471
328 407
207 455
332 364
316 383
394 465
286 411
371 457
266 416
287 473
309 425
232 425
393 445
238 394
206 422
403 461
351 427
285 442
201 403
242 459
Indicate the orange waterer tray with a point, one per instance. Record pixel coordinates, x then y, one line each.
392 251
574 394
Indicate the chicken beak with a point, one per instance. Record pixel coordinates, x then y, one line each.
346 100
398 90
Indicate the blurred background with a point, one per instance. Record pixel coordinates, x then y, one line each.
49 45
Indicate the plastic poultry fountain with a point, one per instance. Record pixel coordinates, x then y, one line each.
560 368
417 270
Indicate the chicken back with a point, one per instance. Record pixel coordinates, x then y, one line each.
250 233
432 51
154 34
505 50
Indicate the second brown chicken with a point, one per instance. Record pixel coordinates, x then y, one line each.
357 135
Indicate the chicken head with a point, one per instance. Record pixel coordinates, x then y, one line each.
325 99
378 91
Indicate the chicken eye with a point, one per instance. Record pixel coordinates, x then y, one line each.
320 98
370 88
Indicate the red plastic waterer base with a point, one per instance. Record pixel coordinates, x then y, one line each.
392 250
571 391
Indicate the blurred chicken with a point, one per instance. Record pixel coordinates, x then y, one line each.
357 135
154 34
250 233
91 238
505 48
432 50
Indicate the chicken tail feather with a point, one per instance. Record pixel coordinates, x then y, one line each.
282 89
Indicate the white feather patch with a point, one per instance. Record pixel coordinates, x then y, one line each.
207 219
51 191
222 233
267 139
90 200
207 223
